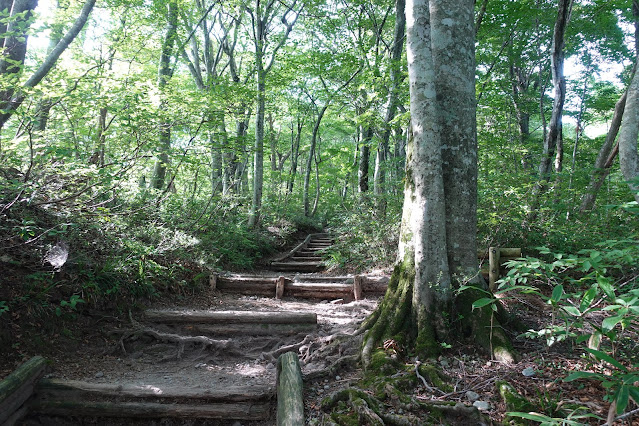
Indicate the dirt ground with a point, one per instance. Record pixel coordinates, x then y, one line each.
102 349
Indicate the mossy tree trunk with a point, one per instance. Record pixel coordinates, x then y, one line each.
437 249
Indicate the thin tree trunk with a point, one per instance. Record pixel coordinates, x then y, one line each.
364 159
164 74
604 160
311 157
9 100
295 150
553 143
381 158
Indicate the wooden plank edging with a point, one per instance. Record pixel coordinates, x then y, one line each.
290 401
18 387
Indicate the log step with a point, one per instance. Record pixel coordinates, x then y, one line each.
75 398
297 266
318 290
306 253
305 258
231 317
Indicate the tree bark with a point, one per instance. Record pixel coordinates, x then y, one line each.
295 150
263 17
553 142
603 161
437 247
10 100
164 75
364 159
379 177
628 133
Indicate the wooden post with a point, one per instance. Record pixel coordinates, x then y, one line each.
493 265
357 287
18 387
279 287
290 403
213 281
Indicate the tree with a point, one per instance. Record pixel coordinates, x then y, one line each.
437 249
553 140
628 133
263 15
15 48
164 75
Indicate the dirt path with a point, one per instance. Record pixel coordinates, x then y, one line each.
178 357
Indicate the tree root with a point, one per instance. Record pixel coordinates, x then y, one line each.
370 410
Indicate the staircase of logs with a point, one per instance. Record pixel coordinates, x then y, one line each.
294 275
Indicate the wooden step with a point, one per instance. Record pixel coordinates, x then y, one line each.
319 290
224 323
305 258
312 249
75 398
305 254
231 317
297 266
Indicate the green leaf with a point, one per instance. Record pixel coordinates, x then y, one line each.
588 298
576 375
557 292
605 357
530 416
622 398
571 310
483 302
610 322
606 286
633 391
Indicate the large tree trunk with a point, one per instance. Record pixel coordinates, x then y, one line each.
437 249
628 133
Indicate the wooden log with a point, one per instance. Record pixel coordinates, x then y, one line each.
236 411
339 279
305 258
18 387
375 285
319 290
279 287
244 329
303 254
290 403
357 287
297 266
493 267
231 317
261 287
213 281
51 389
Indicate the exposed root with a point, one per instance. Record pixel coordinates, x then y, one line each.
331 370
272 356
370 410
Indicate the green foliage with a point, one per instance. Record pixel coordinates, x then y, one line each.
366 237
591 281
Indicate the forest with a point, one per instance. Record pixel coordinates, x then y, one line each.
146 145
